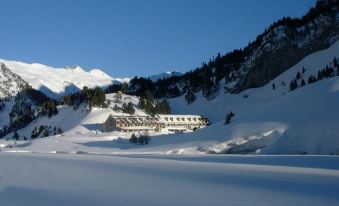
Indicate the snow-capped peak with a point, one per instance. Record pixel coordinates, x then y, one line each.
99 73
55 82
75 68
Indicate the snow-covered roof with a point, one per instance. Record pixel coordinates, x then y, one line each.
127 119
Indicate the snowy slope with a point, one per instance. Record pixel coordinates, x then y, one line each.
55 82
257 97
296 127
270 121
266 121
80 121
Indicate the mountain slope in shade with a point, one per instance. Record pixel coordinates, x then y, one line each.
56 82
164 75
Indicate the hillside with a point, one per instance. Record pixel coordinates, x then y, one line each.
266 121
56 82
282 105
282 45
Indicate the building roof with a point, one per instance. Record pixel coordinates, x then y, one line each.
146 119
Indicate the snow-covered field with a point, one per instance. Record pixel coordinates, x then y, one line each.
82 179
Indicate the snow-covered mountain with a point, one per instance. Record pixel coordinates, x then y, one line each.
55 82
164 75
283 89
283 44
10 83
267 120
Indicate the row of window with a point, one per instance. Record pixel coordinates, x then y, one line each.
137 125
180 118
184 125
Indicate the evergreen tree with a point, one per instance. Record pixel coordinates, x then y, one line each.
16 135
149 108
49 108
124 88
302 82
116 108
128 108
273 86
148 96
162 107
97 98
311 79
298 76
293 85
190 97
133 139
46 132
303 70
141 103
228 118
60 130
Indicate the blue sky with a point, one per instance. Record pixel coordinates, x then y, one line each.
140 37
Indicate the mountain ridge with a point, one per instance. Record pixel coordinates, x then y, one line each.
283 44
57 82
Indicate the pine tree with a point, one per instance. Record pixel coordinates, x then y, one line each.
115 108
60 130
141 103
162 107
133 139
293 85
128 108
16 135
148 96
298 76
273 86
303 70
46 132
190 97
302 82
149 108
228 118
124 88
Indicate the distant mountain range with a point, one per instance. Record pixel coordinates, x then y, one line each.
54 82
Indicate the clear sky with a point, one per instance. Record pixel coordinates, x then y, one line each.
140 37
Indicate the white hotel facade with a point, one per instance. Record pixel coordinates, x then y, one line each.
136 124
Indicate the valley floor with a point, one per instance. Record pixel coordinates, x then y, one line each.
29 178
